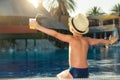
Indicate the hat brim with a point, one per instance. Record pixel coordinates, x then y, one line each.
71 25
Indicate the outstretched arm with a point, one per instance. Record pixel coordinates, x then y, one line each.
111 40
60 36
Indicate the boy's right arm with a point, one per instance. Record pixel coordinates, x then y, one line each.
60 36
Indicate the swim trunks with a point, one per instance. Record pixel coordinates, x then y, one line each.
79 72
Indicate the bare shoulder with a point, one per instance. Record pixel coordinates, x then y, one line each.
90 40
68 37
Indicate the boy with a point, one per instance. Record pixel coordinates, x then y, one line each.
78 45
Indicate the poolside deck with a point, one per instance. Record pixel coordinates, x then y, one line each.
54 78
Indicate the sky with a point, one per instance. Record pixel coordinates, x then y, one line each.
86 5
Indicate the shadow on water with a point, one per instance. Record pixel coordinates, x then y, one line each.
43 63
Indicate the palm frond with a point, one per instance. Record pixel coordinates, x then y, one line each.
69 4
95 11
116 9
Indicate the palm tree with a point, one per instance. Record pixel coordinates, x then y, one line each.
95 12
116 10
60 7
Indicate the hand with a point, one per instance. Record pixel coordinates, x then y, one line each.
33 24
112 39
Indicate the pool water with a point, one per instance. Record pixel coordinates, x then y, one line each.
30 63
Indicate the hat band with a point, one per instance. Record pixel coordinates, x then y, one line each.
76 28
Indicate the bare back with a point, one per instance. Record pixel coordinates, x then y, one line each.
78 49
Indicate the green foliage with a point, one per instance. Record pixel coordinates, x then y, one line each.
116 9
95 11
66 4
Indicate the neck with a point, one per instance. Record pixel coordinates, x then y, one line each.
77 35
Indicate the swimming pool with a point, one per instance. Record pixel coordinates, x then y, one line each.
44 63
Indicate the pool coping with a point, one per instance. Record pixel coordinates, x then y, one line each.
55 78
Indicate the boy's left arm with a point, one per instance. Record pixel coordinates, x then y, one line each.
111 40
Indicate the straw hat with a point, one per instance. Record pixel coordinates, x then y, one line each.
79 23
